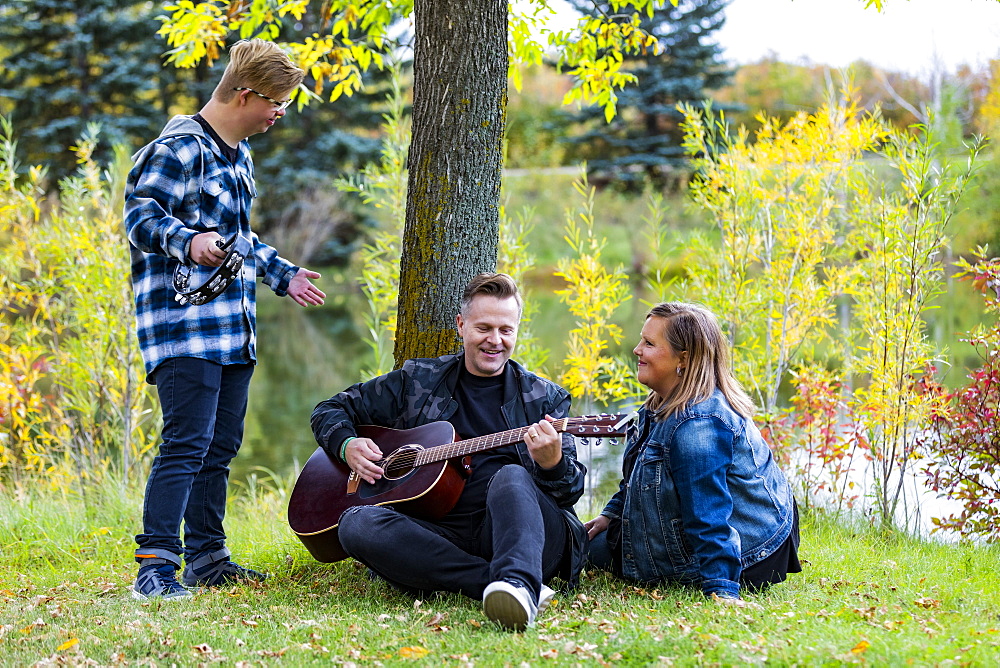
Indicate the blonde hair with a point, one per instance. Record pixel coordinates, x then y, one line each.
490 284
694 330
261 65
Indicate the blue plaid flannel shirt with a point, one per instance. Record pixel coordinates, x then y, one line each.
181 186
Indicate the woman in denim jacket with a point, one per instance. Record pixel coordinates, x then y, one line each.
701 500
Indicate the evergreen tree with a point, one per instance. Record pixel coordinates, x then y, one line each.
644 139
64 65
68 64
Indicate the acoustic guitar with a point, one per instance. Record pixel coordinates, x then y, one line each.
423 476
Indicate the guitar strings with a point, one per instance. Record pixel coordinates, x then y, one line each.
408 459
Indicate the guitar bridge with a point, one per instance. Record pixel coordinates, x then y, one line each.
353 482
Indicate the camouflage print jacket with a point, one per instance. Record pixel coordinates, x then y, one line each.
422 391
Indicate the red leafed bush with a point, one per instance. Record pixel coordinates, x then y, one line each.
963 444
816 439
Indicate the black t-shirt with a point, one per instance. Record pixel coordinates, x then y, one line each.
231 153
479 400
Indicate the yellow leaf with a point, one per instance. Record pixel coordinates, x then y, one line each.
861 647
66 645
413 652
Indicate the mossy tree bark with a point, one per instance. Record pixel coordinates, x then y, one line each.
455 160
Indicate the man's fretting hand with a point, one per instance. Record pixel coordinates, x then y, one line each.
544 443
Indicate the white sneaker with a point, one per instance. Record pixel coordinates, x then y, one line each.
544 598
509 605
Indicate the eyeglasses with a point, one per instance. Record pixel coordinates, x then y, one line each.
279 105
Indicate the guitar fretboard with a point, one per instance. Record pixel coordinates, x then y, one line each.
480 444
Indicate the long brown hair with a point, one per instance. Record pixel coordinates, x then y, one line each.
693 329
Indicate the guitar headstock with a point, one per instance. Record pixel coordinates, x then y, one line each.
597 425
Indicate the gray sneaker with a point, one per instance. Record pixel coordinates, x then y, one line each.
158 581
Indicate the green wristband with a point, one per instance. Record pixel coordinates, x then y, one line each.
343 448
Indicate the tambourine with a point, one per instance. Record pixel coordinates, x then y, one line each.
238 247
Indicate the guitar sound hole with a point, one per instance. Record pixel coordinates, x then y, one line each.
401 462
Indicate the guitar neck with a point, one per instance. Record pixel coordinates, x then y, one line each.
471 446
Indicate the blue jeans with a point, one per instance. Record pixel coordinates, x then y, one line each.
203 405
523 537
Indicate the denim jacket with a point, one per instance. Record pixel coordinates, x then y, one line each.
700 499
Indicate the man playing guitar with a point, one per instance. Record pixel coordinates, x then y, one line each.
513 527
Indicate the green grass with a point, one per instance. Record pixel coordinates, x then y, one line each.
864 597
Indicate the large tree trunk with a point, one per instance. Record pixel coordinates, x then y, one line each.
455 160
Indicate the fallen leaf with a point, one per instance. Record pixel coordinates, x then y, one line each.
550 654
413 652
861 647
927 603
585 649
250 622
33 625
69 643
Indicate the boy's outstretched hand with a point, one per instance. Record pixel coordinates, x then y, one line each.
302 291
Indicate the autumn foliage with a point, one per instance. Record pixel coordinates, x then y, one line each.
73 406
963 443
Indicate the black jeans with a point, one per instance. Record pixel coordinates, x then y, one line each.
756 578
523 537
203 405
